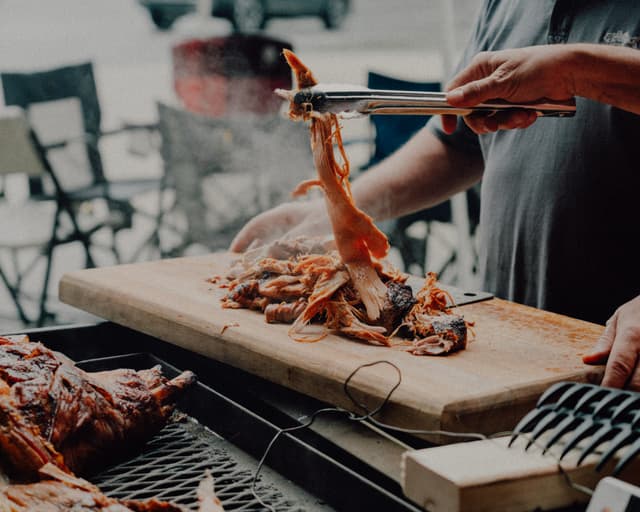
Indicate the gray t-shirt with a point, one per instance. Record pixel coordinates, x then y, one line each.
559 218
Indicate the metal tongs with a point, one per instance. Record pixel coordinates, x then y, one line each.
356 101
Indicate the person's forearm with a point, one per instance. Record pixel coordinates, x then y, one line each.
608 74
423 173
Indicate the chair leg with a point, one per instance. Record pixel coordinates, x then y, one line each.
15 296
43 314
114 247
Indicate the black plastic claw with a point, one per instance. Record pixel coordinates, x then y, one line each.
572 395
630 405
585 416
609 401
551 392
622 439
547 423
587 428
633 451
594 394
606 432
563 427
527 423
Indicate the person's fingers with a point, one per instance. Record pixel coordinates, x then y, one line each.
242 240
634 382
477 123
484 123
515 119
475 92
512 119
256 228
621 364
602 348
449 123
476 69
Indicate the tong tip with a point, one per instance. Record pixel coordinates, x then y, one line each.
285 94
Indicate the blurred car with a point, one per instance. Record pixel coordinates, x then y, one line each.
250 15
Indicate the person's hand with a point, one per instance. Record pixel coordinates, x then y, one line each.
619 347
520 75
286 220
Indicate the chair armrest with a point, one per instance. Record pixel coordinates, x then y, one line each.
130 127
143 137
92 140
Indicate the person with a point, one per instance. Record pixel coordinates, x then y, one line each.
558 195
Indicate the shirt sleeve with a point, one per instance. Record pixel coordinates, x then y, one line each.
463 138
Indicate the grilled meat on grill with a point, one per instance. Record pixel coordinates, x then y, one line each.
23 450
92 419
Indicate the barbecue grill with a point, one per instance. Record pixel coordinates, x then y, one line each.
225 424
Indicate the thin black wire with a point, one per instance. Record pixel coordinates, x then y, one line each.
368 416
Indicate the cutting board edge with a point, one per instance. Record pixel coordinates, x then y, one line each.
462 415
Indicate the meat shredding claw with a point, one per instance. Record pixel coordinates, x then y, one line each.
355 101
583 417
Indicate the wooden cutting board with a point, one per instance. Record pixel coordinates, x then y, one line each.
517 353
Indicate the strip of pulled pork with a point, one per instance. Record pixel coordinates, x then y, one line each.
358 240
91 419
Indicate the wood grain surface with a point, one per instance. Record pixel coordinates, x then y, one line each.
517 352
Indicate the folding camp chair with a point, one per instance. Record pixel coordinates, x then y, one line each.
63 108
226 170
391 132
33 228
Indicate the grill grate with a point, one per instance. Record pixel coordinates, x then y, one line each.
172 465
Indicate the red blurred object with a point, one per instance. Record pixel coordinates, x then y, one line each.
236 74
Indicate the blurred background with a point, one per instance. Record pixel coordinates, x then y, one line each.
135 130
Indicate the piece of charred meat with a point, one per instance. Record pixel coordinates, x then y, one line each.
438 335
92 419
59 491
398 303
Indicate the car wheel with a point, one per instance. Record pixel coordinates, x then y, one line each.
248 15
161 19
335 12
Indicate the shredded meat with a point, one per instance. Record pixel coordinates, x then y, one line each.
318 289
284 312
